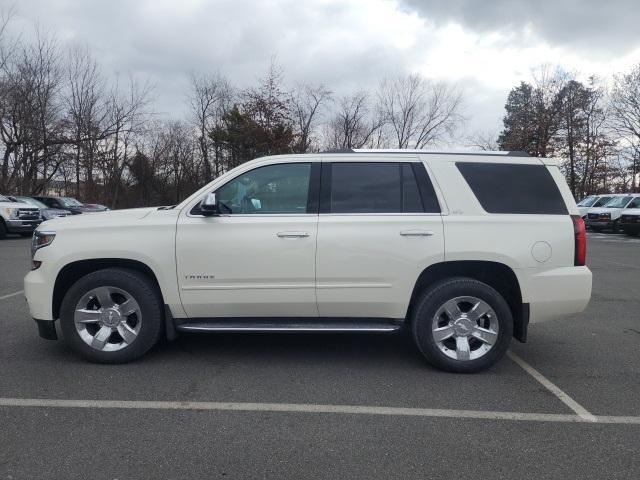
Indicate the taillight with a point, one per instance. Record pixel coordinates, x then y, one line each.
580 235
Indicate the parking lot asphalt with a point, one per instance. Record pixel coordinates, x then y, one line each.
592 358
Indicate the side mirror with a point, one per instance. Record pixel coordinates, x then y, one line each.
209 205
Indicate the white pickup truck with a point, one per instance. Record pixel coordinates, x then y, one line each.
464 250
18 217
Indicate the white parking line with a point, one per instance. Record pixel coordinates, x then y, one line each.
553 388
4 297
311 408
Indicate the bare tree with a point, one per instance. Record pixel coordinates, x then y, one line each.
625 117
86 112
209 98
306 108
354 124
126 117
419 112
485 141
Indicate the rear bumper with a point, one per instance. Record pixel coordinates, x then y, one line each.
556 292
22 226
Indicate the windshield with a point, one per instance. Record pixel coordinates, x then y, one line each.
32 201
618 202
70 202
587 201
601 201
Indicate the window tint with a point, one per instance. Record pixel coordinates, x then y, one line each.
274 189
376 187
365 188
411 201
517 189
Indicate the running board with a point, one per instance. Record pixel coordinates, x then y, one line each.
288 325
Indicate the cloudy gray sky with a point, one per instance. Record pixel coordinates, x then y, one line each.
484 46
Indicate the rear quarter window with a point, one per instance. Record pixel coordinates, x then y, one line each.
514 189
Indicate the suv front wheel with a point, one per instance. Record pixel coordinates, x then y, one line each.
112 315
462 325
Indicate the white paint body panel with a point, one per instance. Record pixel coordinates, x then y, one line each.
256 273
347 266
366 268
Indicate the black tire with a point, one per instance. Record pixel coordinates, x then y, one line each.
145 293
3 230
631 233
434 297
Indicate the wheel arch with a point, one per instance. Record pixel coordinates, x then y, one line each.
497 275
74 270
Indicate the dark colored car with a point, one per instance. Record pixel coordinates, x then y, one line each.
46 212
71 204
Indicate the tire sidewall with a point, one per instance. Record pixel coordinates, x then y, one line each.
434 298
140 288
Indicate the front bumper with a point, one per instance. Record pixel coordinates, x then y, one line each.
38 289
630 227
599 223
22 226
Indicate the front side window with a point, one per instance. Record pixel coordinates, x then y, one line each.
380 187
635 203
273 189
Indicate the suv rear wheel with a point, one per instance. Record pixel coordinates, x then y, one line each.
462 325
112 315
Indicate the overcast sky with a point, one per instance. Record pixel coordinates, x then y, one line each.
486 47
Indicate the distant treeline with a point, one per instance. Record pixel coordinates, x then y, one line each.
66 128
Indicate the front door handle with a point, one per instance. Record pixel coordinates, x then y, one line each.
417 233
292 234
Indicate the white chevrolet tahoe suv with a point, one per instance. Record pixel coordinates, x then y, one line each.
464 250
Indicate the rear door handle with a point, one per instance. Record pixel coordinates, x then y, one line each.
293 234
417 233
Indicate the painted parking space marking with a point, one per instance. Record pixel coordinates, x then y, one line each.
4 297
553 388
314 409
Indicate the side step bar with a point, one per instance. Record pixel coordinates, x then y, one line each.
288 325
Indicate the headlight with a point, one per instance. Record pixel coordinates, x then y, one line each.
40 240
11 213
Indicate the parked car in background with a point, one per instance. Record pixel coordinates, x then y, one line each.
608 216
350 241
630 218
593 201
97 206
71 204
18 217
46 212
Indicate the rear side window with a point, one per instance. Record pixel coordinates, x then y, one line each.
376 187
515 189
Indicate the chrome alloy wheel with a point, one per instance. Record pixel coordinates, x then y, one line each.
465 328
107 319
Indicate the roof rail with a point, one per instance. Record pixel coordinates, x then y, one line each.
491 153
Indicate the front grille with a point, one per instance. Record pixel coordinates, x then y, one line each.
593 216
28 214
630 219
